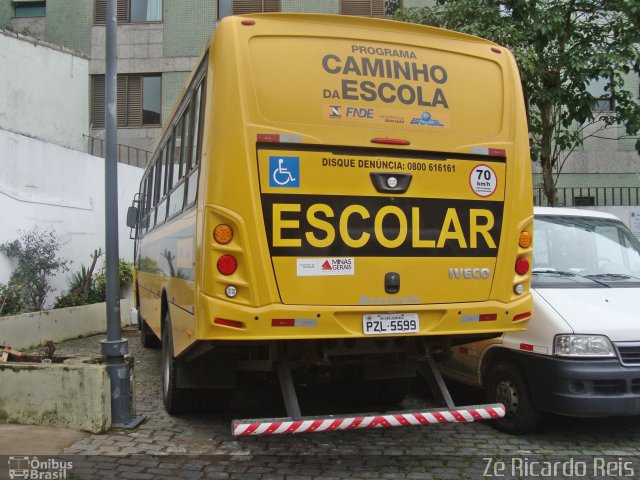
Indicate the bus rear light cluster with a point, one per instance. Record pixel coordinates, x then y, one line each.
227 264
522 266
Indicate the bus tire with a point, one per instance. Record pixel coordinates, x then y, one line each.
148 339
173 398
505 384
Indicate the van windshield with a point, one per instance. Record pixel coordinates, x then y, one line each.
583 252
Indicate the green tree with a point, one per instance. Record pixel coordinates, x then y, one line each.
562 47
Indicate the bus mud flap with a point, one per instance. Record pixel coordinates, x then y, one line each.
284 426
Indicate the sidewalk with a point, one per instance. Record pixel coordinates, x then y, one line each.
36 440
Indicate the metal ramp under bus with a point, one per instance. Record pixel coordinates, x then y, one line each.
296 423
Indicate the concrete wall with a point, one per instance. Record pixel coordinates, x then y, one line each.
44 91
33 329
75 396
50 186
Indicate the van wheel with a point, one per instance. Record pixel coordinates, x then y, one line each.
505 384
174 398
148 339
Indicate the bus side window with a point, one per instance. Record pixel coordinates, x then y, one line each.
194 160
147 199
176 196
142 206
161 212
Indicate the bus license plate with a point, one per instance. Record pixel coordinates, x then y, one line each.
390 323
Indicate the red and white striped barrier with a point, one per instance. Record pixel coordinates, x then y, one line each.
400 419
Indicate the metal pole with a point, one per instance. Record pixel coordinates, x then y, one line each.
114 348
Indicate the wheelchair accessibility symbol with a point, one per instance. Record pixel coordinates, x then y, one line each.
284 172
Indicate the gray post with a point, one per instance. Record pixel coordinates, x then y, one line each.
114 348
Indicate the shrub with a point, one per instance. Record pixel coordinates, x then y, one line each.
10 302
86 287
36 255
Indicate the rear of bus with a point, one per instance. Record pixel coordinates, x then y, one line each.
362 181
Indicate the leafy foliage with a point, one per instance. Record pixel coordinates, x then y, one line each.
10 301
87 287
562 47
36 257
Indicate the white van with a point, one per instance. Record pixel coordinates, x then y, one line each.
580 355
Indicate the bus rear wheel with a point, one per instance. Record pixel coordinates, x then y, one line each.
173 398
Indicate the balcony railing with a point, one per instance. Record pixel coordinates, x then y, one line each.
591 196
126 154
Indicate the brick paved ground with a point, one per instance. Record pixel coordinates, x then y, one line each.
201 446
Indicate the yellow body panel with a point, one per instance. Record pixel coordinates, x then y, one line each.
314 91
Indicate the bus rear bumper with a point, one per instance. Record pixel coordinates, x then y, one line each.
223 320
285 426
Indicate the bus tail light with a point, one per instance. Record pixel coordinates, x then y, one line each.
521 316
522 266
227 264
525 239
390 141
228 323
223 234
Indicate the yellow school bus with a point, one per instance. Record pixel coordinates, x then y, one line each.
338 196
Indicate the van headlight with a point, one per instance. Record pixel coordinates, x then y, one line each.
583 346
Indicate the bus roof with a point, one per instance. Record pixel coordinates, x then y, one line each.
367 22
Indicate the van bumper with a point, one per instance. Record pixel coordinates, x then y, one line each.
589 388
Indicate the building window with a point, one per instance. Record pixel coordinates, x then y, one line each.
601 89
255 6
130 11
29 9
145 11
369 8
139 100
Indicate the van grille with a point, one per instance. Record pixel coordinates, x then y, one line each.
629 353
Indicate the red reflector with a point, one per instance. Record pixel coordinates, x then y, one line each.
497 152
283 322
521 316
269 137
227 264
228 323
496 50
527 347
522 266
390 141
464 350
248 23
488 317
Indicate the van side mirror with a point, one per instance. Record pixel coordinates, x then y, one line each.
132 217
